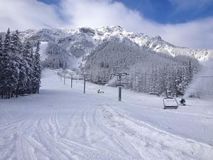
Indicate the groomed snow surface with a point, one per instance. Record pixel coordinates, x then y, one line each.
64 124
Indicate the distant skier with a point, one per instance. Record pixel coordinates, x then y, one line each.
183 101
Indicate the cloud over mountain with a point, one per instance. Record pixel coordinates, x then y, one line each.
23 14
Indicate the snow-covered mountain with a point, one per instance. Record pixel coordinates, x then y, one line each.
156 44
101 52
81 41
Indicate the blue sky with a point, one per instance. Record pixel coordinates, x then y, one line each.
166 11
186 23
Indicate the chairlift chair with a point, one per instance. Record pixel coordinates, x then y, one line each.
170 103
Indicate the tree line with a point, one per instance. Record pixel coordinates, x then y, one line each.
169 78
20 69
149 72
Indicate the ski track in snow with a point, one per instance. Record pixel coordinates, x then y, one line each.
64 124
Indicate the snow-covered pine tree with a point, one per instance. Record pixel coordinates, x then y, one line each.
28 57
36 69
6 43
189 71
14 42
1 65
16 57
9 75
1 44
19 68
22 82
17 48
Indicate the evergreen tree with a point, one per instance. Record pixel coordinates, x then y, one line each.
16 56
1 45
20 70
36 69
1 66
22 82
6 44
17 49
28 57
9 76
15 42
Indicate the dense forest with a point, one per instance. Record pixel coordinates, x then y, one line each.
148 71
20 69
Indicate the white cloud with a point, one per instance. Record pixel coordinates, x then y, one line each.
195 34
97 13
24 14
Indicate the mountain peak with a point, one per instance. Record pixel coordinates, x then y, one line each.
91 37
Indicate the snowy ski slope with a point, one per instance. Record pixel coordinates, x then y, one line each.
63 124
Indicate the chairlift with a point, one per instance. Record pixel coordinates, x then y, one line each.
119 85
101 82
170 103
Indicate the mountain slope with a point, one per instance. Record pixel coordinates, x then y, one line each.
63 123
80 42
154 66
